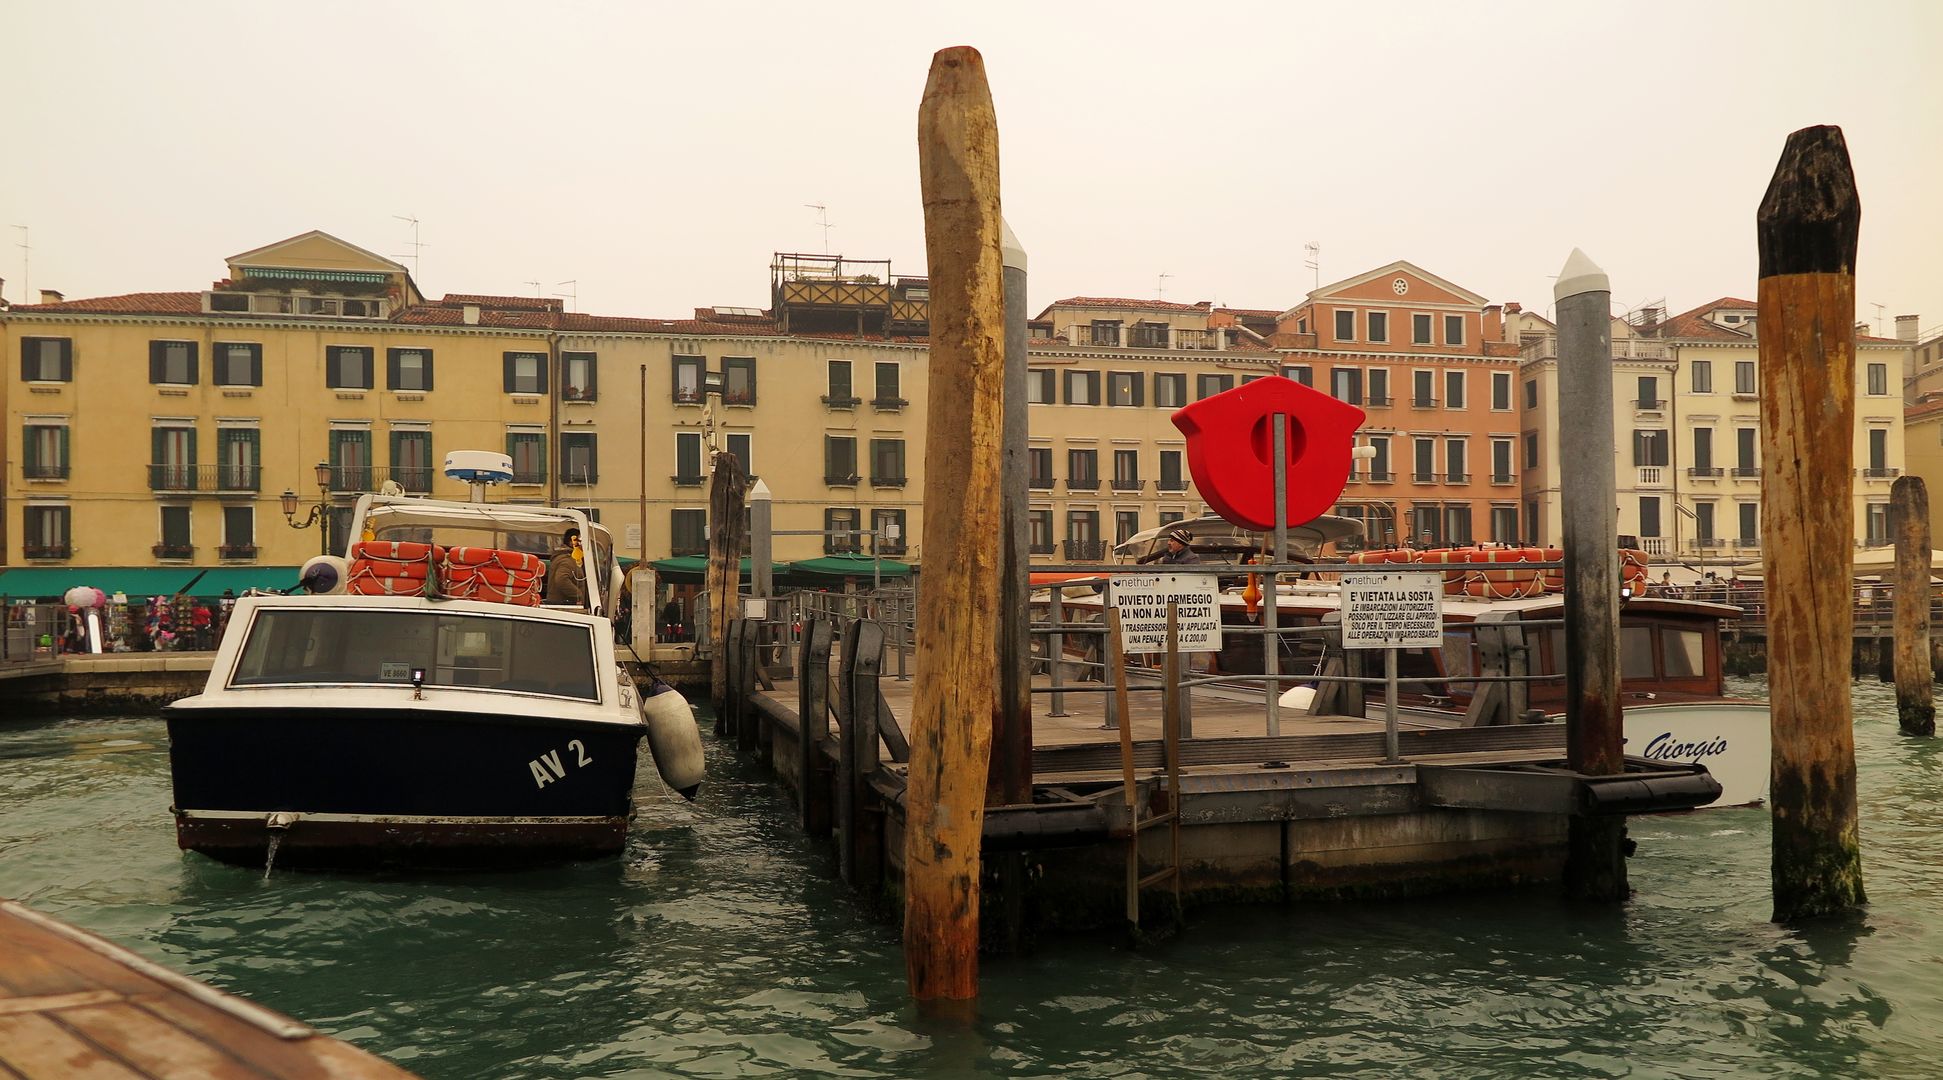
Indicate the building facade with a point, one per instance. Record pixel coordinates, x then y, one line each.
1686 416
1426 359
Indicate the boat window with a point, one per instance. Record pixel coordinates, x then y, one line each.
1635 652
382 647
1685 650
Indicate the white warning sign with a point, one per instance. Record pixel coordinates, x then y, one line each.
1142 600
1384 611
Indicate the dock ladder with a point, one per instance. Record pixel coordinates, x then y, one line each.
1171 755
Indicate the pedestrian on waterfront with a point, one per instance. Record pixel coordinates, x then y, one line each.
201 620
671 619
566 575
224 606
1178 550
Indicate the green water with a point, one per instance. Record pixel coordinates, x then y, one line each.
720 945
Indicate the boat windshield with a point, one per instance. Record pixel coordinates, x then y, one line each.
375 646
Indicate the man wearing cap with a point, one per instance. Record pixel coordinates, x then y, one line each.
1177 549
566 574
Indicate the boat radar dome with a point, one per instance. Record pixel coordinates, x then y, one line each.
479 467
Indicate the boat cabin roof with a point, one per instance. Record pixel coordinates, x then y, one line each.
1212 534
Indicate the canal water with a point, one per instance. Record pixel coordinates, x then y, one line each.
720 945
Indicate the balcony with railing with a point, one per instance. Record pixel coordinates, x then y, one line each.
1380 401
1458 477
1083 483
47 551
1040 547
1545 347
236 551
44 471
1747 542
1880 473
1423 476
1382 476
842 401
1147 337
174 551
1656 545
166 476
1085 550
695 479
1200 340
1502 479
1652 476
887 480
1178 483
528 476
1747 472
1128 483
416 479
351 479
1040 483
1706 472
1649 405
1422 402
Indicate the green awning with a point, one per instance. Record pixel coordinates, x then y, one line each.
693 569
856 566
239 579
36 582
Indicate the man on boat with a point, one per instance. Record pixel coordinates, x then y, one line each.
1177 549
566 575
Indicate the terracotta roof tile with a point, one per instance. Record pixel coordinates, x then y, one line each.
505 303
146 303
1117 302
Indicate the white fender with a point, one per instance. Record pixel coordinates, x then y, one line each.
1299 697
673 739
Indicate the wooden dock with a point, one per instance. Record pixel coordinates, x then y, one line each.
1315 811
76 1007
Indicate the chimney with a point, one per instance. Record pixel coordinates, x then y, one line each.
1906 327
1649 316
1493 322
471 314
1513 307
1862 329
51 296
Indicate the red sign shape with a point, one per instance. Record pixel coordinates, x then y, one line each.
1230 450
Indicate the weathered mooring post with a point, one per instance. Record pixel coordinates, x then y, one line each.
1909 513
956 696
1009 779
726 489
1807 228
1595 862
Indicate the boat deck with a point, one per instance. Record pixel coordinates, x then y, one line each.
76 1007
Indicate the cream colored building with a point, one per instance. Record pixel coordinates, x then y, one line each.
1687 425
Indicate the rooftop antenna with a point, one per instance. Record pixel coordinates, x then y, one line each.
26 265
416 246
1314 261
822 219
537 288
572 294
1878 308
1160 285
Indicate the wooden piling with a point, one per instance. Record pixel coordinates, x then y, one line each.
1807 228
1909 515
956 696
813 726
1595 861
860 851
726 490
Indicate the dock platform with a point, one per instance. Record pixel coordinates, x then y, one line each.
76 1007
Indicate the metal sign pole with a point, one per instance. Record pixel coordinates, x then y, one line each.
1391 754
1272 639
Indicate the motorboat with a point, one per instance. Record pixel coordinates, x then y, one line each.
426 699
1675 706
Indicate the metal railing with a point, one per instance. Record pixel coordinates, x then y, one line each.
168 476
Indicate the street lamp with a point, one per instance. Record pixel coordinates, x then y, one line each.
316 515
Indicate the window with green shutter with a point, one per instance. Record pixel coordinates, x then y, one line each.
350 459
44 452
238 461
528 451
411 459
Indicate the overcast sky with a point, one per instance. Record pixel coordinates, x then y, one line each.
657 154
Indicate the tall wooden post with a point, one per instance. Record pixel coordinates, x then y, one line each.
1595 861
956 695
1807 228
1909 514
726 491
1009 779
